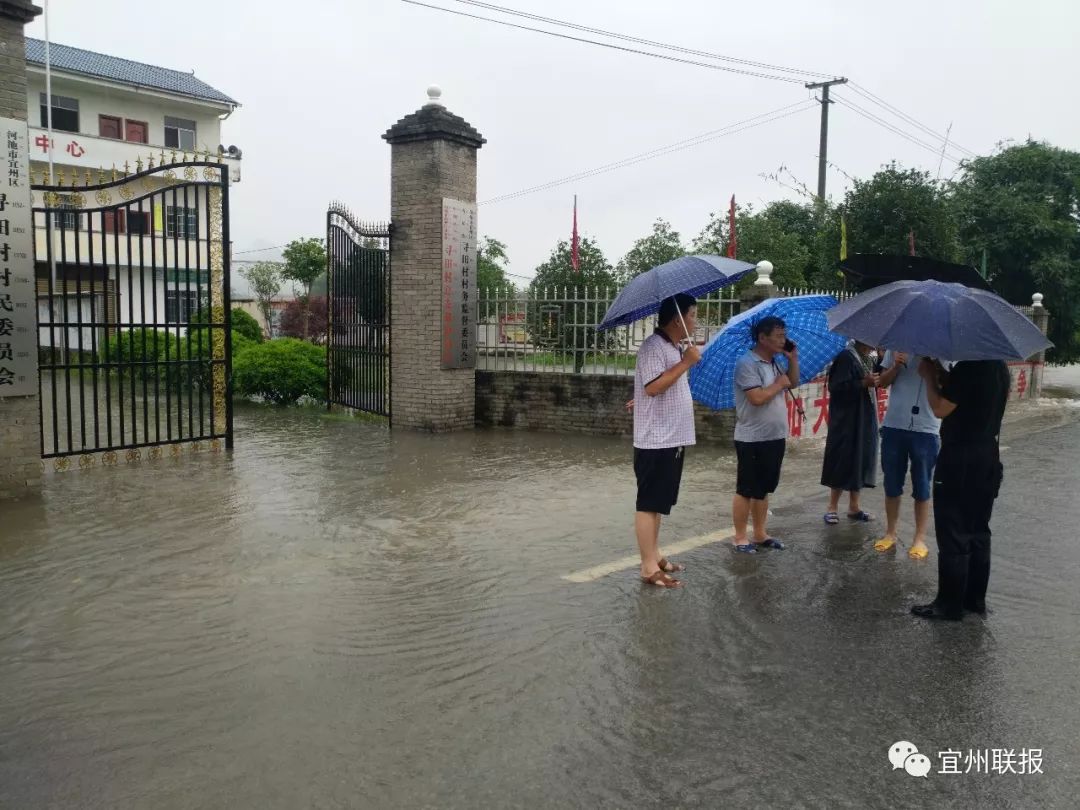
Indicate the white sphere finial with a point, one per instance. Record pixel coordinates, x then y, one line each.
1036 300
434 94
764 273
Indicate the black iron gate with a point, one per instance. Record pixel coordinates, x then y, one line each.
133 303
358 287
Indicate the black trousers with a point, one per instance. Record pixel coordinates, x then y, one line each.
966 484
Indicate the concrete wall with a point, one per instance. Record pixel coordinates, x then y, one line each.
574 403
596 404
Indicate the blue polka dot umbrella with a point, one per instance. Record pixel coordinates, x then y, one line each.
692 275
712 381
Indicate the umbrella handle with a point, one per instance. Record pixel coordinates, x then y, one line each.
685 330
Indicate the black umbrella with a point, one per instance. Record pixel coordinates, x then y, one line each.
868 270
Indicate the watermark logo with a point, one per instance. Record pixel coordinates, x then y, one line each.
905 756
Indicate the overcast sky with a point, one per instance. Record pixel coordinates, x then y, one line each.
321 81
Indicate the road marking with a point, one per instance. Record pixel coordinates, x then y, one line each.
598 571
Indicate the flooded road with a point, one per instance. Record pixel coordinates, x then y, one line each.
334 616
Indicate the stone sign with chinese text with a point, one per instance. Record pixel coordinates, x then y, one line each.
458 310
18 310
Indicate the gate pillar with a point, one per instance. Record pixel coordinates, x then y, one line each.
433 255
20 449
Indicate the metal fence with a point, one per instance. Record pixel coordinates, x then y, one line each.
554 329
133 309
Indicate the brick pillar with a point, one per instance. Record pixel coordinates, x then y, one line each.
433 158
20 448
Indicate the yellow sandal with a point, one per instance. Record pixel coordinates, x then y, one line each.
885 544
918 553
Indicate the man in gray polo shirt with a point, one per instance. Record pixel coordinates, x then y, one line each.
663 429
761 429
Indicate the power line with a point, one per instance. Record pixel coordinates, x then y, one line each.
862 91
731 129
623 48
258 250
892 128
638 40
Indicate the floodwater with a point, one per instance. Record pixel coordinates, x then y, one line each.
337 616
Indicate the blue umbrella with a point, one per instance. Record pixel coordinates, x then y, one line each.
712 381
693 275
935 319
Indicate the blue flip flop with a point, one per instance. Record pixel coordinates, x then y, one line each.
860 516
746 548
772 542
832 518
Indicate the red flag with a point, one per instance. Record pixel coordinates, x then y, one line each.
575 258
733 240
911 241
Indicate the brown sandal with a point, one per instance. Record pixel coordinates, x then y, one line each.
661 580
664 563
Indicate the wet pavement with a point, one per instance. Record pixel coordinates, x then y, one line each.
334 616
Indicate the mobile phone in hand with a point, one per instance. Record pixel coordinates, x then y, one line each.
789 346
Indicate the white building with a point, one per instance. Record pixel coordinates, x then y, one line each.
111 113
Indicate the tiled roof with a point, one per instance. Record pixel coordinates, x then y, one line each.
88 63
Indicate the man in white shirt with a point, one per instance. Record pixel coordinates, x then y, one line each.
663 429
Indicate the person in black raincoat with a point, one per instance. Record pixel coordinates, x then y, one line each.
850 462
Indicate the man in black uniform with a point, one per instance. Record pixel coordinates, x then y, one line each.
970 402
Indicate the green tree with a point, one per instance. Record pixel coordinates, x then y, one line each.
561 313
265 281
662 245
882 211
1022 206
491 265
759 237
305 261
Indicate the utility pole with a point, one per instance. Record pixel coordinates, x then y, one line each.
823 148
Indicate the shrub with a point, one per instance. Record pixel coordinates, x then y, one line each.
242 322
136 346
247 326
311 311
281 371
162 352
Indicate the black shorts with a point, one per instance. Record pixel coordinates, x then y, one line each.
759 468
659 473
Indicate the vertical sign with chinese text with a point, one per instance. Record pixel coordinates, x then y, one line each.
458 310
18 310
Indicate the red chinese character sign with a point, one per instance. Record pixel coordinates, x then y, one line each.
814 399
18 311
458 310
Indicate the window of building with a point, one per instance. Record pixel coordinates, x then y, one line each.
66 216
113 221
181 305
127 221
179 133
109 126
180 221
65 113
136 132
138 222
